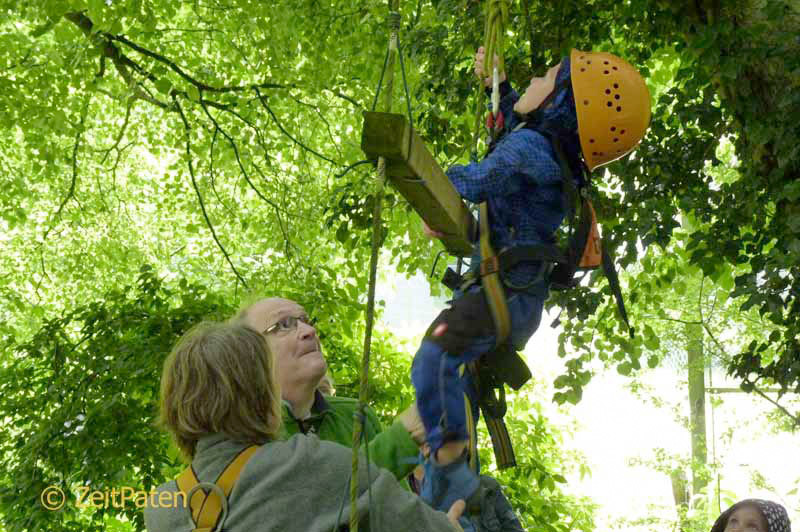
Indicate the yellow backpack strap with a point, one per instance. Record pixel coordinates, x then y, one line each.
490 278
207 505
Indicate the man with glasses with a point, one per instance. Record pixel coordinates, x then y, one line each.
299 367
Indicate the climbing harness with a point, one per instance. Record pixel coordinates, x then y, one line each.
563 268
208 502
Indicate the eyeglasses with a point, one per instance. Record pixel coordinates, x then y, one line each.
288 323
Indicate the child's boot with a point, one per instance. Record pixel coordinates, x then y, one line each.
445 484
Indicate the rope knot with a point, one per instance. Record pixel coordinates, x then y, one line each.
394 20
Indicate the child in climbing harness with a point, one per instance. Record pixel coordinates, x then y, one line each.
588 110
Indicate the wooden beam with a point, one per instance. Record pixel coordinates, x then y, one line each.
414 172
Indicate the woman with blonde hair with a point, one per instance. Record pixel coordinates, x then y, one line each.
221 404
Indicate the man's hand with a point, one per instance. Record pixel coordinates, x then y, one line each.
487 78
413 423
455 512
430 233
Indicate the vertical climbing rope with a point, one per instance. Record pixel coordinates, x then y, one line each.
493 39
394 26
496 19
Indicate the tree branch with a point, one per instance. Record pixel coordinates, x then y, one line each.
321 117
780 407
213 175
122 63
71 191
199 84
264 103
777 405
197 191
676 320
244 172
259 136
115 146
343 96
21 61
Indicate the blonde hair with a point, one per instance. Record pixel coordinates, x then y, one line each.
219 378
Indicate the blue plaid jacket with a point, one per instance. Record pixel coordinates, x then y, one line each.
521 180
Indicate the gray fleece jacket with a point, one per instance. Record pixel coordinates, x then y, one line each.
297 486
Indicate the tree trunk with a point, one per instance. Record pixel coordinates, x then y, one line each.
697 404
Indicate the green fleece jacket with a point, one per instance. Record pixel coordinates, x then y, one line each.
332 420
297 485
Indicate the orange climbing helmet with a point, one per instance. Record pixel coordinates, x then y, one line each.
612 104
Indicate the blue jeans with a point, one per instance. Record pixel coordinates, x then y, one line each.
435 372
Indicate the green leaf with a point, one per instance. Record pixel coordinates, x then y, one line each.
163 85
193 93
651 340
342 232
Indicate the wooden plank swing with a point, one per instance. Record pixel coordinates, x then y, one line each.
414 172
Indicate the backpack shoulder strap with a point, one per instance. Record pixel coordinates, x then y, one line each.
206 505
586 248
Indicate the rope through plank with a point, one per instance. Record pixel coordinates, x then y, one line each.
358 425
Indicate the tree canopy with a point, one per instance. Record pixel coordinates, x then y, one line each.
209 147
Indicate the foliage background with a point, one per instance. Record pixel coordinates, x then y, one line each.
162 161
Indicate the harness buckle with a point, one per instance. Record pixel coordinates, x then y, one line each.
490 265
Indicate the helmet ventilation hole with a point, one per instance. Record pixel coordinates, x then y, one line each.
616 139
619 108
613 128
591 141
608 91
609 103
605 71
616 96
614 68
622 132
616 85
583 69
605 62
585 102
